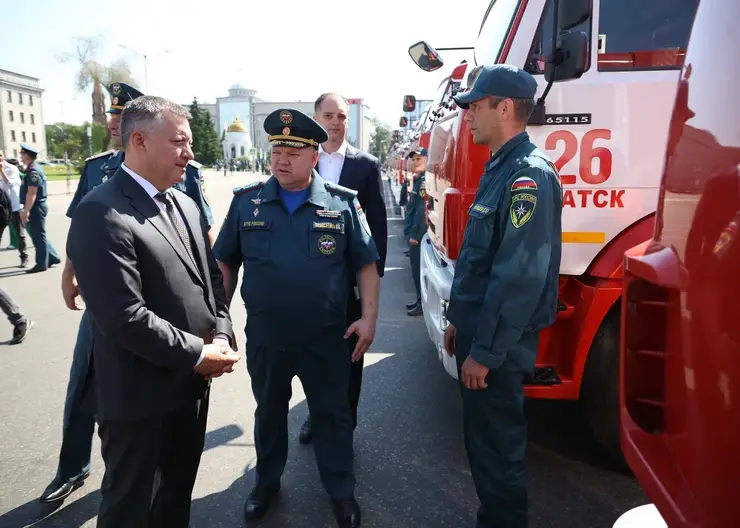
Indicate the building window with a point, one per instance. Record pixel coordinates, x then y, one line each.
33 137
23 119
33 121
12 135
30 100
11 117
242 151
15 153
10 96
23 136
20 98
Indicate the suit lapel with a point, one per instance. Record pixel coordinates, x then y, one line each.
145 205
345 177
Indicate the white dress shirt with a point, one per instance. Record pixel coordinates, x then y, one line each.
12 186
152 191
330 164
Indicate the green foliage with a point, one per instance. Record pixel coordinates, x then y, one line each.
72 139
206 145
380 141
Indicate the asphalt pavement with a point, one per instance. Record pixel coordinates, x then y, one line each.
410 461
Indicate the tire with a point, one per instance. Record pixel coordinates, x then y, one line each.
599 397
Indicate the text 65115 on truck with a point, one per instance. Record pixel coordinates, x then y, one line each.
605 129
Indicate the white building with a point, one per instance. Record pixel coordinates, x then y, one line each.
237 141
21 114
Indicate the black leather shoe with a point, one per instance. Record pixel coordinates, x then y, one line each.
407 253
258 502
36 269
306 434
58 492
412 305
347 512
416 310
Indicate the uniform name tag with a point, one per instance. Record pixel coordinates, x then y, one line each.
480 208
255 224
329 226
326 213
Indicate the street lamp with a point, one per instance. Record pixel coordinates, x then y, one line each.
146 71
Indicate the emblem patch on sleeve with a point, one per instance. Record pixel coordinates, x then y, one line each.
522 208
327 244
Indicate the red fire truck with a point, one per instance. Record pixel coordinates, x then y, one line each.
680 351
605 130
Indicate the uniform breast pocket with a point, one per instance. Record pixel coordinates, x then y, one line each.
254 236
481 225
327 240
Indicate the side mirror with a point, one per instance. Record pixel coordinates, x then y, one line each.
425 57
409 103
572 12
570 58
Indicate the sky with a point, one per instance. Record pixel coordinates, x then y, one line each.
286 50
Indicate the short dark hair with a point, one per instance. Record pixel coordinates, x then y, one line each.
322 98
523 108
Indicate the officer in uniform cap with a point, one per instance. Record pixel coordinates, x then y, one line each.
505 289
299 237
415 223
33 196
79 420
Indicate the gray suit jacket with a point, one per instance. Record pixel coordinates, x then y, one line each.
152 308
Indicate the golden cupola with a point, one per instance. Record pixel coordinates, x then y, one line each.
237 126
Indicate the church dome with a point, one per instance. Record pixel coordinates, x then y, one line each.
237 126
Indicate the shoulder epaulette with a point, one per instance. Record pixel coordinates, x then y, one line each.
195 164
339 189
249 187
96 156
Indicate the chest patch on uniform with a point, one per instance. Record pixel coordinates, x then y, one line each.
327 244
423 190
523 183
480 208
522 208
326 213
256 224
329 226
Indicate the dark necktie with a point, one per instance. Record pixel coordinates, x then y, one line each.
177 222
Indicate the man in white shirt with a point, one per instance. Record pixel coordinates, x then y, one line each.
10 183
349 167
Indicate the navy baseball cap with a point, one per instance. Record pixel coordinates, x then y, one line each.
420 152
499 80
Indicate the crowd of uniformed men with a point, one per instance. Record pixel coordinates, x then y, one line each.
318 228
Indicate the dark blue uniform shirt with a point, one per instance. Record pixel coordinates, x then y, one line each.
506 276
297 268
103 166
34 177
415 220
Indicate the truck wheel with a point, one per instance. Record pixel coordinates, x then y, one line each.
600 388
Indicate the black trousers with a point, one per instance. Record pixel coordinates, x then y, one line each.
323 368
17 225
150 468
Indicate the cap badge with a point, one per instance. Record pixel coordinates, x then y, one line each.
286 117
286 131
115 100
116 88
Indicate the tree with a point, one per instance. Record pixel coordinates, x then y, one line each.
93 73
380 141
65 140
206 145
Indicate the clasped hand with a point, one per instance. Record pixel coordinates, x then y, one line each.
218 359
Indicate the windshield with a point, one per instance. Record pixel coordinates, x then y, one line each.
494 29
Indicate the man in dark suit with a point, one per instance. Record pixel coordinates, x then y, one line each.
343 164
161 326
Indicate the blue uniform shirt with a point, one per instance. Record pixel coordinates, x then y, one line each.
506 276
297 268
415 220
98 169
34 177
